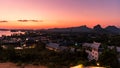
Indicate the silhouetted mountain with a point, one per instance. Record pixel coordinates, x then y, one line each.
96 29
113 29
80 29
72 29
4 29
99 29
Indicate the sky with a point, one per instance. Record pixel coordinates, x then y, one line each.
39 14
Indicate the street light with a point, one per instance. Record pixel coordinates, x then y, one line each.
98 64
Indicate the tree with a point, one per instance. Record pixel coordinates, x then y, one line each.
109 58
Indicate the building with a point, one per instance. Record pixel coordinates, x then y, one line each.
56 47
52 46
93 49
118 52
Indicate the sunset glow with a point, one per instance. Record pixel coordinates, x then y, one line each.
38 14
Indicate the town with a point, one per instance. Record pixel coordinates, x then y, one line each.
61 49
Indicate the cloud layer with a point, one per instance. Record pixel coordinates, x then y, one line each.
3 21
30 20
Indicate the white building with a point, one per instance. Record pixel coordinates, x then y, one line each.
93 50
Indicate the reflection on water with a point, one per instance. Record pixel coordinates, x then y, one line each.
8 33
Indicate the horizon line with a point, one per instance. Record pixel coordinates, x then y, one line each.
57 27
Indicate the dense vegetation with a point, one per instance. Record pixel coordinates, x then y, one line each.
42 56
109 58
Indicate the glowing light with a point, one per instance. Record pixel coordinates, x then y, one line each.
26 39
78 66
81 66
98 64
93 67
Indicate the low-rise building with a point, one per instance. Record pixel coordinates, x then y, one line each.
56 47
118 53
52 46
93 50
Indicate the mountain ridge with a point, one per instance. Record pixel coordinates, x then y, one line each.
96 29
84 28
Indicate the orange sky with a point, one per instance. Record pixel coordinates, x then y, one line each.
48 24
58 13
